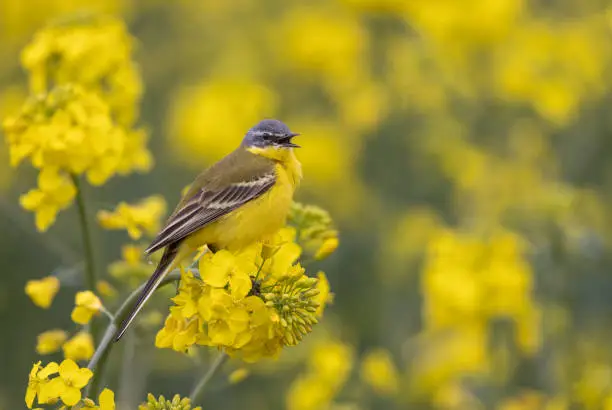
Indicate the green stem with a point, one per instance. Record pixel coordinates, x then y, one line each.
196 394
99 359
90 265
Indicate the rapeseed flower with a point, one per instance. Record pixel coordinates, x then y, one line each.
67 131
144 216
42 291
79 347
55 192
249 303
50 341
38 380
87 305
68 385
106 401
161 403
58 52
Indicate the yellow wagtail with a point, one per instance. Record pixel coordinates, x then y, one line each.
243 198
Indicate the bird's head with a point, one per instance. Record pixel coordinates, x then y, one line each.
269 134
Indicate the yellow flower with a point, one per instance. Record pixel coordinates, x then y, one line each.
178 333
59 51
378 370
251 303
106 401
328 247
39 378
162 403
144 216
42 291
50 341
69 383
224 268
87 304
55 192
79 347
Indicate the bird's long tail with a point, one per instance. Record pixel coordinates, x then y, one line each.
170 259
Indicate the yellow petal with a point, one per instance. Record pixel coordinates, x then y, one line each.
81 377
220 334
238 320
29 396
51 390
107 400
45 217
81 315
68 369
71 396
31 200
48 370
240 285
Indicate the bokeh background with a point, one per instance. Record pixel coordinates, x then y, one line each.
462 148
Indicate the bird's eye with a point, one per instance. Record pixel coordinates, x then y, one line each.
266 137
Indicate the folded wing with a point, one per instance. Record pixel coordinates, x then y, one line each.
207 206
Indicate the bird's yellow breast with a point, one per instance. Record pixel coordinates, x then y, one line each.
256 219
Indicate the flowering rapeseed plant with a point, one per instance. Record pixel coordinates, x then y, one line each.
79 123
250 303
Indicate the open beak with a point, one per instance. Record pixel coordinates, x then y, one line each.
286 142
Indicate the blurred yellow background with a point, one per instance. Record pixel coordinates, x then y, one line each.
462 147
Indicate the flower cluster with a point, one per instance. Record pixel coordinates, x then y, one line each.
315 230
77 121
66 384
69 131
58 53
250 303
143 216
162 403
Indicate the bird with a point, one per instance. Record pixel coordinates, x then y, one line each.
243 198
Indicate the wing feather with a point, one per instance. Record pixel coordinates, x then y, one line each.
207 206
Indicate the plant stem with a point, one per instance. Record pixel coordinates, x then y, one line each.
196 394
99 359
90 265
